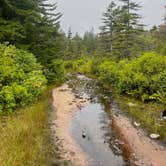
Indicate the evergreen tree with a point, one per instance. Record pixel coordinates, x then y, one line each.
90 41
130 28
109 27
32 25
78 45
69 34
121 30
159 34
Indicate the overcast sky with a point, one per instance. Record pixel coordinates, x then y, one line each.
82 15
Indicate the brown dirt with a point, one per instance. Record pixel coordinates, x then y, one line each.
147 152
65 104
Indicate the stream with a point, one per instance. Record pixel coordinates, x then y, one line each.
92 127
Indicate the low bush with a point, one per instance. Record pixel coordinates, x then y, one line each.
82 65
21 78
108 72
143 77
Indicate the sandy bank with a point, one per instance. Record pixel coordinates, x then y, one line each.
65 104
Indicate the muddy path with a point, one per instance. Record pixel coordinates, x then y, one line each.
91 130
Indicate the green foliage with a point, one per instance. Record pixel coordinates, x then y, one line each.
120 33
25 136
81 65
55 72
141 77
33 26
108 72
159 36
21 78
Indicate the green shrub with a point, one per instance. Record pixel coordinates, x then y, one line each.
143 77
21 78
55 72
108 72
83 65
69 66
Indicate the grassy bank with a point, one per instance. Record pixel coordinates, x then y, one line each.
25 137
147 114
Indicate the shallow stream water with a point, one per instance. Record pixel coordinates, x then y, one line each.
91 126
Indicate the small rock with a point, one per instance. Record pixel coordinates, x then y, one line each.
164 115
79 106
131 104
154 136
83 101
83 134
137 124
116 114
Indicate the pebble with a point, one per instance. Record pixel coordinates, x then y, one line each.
137 124
164 117
131 104
154 136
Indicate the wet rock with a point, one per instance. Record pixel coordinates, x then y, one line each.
154 136
83 101
118 142
116 114
77 96
83 134
137 124
116 150
79 106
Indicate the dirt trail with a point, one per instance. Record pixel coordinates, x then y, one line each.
147 151
65 104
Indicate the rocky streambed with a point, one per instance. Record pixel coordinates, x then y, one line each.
91 130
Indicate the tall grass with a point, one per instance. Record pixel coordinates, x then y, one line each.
24 136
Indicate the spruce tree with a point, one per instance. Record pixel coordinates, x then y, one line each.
31 25
109 27
90 41
130 28
121 30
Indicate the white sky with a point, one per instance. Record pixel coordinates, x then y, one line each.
82 15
